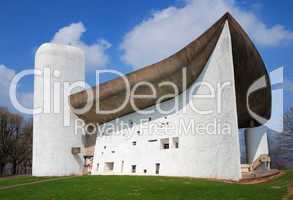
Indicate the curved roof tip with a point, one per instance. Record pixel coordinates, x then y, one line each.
227 15
248 67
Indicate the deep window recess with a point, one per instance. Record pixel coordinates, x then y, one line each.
113 151
145 171
166 146
109 166
133 168
150 119
134 143
157 168
105 147
165 143
98 165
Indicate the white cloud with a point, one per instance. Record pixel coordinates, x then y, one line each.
6 75
168 30
26 99
95 54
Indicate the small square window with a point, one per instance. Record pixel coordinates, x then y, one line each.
134 143
165 143
166 146
108 166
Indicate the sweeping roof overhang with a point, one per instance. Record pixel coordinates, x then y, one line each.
248 67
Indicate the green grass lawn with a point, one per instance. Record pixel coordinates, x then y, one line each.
18 180
132 187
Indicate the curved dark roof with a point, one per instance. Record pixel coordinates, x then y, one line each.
248 67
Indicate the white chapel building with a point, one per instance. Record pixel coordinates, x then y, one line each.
188 141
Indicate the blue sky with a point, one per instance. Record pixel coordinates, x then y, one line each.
115 34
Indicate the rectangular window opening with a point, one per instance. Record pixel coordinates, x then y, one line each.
157 168
133 168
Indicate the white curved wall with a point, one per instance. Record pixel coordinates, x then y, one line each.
199 155
256 142
52 141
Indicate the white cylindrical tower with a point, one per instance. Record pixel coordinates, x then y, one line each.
256 143
53 139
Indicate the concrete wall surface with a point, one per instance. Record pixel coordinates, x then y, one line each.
208 153
52 140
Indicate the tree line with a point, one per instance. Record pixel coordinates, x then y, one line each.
15 142
281 144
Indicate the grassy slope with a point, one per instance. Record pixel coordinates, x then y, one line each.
18 180
128 187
